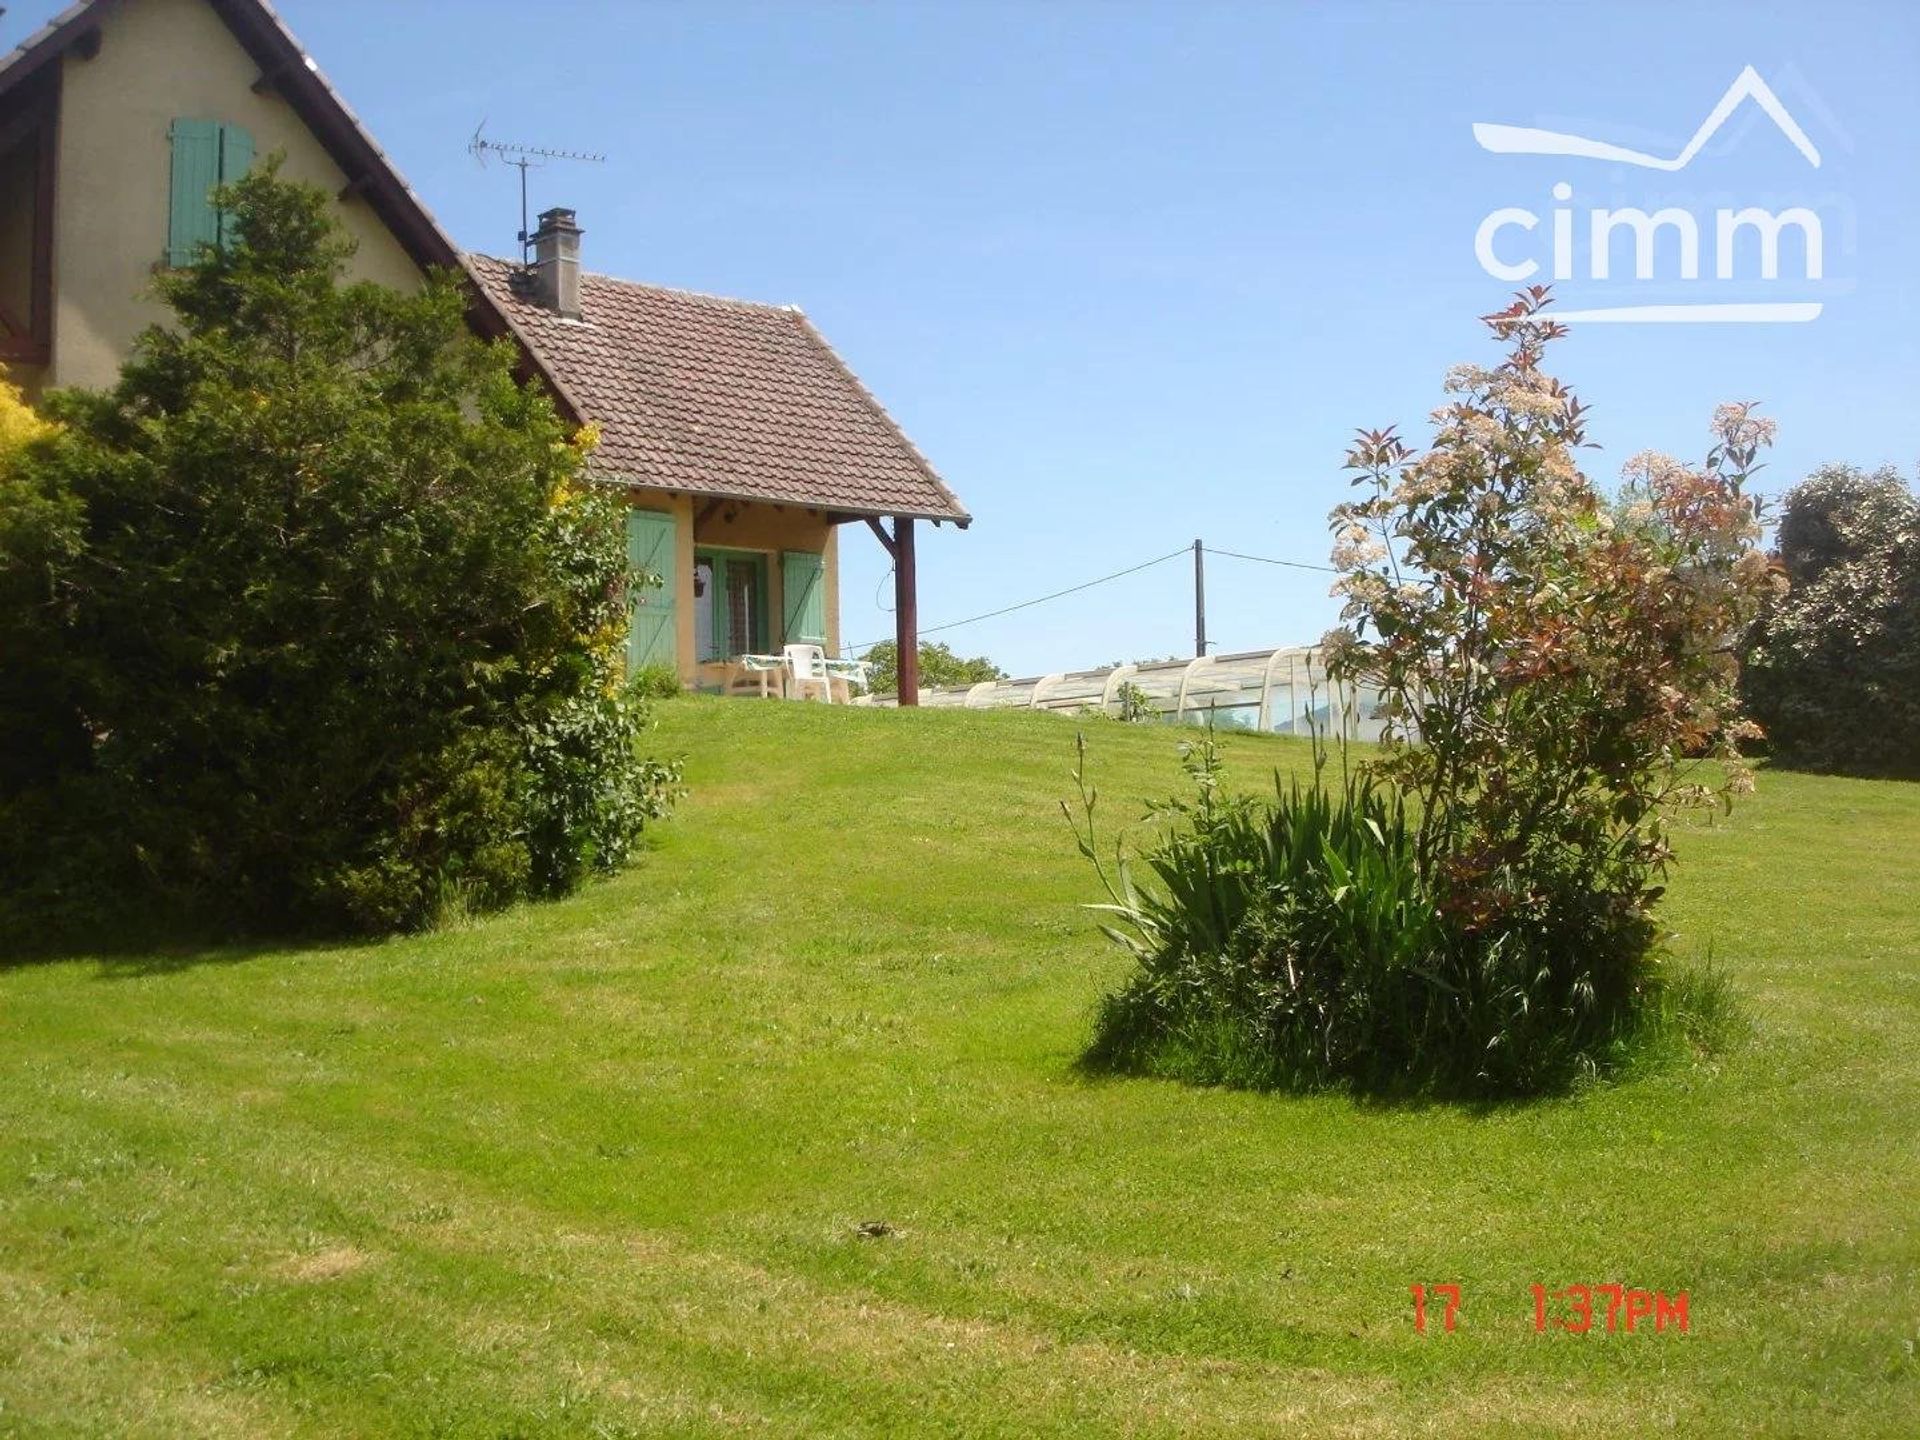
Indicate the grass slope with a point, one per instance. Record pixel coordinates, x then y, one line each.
595 1168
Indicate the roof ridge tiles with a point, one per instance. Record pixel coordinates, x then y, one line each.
767 306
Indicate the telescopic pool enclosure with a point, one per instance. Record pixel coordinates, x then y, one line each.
1282 692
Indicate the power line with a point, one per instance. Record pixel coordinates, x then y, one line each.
1043 599
1104 579
1269 560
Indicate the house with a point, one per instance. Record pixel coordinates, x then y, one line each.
745 443
744 440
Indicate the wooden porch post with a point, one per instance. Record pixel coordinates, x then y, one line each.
906 611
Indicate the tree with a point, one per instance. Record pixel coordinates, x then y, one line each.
1835 675
320 623
938 666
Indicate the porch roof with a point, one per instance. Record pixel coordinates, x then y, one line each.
721 397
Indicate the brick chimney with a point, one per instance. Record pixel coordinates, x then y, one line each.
556 263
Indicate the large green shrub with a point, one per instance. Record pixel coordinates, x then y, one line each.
1835 677
310 621
1554 670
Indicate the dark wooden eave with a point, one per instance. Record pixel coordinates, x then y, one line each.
31 110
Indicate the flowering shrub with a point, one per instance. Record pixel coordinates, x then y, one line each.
1556 670
19 423
1557 673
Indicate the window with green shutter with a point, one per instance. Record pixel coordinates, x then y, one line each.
652 546
206 155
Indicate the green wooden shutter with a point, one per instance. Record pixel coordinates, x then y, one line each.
803 594
236 158
206 154
191 222
651 536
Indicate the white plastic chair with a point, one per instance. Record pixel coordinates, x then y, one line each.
806 668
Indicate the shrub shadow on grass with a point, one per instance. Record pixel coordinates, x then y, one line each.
142 965
1094 1071
1891 773
128 946
1694 1014
130 954
1092 1075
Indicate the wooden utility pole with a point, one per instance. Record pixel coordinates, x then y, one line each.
1199 601
906 612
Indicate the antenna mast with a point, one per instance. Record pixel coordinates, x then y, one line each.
523 158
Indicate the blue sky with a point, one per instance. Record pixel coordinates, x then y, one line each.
1132 273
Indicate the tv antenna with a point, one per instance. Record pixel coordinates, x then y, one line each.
523 158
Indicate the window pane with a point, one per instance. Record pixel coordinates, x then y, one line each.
742 602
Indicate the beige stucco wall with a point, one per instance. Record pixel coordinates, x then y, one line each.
160 60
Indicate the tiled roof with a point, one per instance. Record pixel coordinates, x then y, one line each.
721 397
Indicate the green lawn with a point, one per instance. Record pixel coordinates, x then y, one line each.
595 1168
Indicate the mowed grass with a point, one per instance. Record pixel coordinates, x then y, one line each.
596 1168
